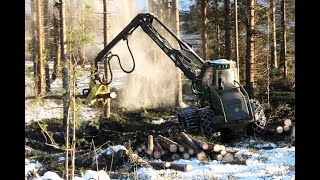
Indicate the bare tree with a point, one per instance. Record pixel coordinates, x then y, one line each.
65 81
236 39
41 55
274 58
204 29
227 8
34 38
217 26
175 9
56 41
250 55
46 16
107 106
284 39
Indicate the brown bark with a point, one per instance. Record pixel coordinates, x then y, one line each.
284 39
227 8
56 40
204 29
46 17
217 27
167 144
34 38
41 54
250 57
236 38
274 58
200 154
107 106
159 165
157 144
213 147
203 145
175 9
180 147
215 156
237 162
187 147
181 167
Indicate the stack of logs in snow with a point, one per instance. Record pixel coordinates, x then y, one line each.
280 127
184 147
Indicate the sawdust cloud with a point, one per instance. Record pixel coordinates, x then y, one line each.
153 83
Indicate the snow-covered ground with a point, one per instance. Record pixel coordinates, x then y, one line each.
264 160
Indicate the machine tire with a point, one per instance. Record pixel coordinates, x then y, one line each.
260 119
188 118
206 125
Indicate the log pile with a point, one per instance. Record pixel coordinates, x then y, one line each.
284 126
185 147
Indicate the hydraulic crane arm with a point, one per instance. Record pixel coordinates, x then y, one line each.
185 58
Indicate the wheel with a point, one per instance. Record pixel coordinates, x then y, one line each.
206 125
260 119
187 118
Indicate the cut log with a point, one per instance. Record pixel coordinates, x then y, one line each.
139 149
167 144
223 152
175 156
287 122
187 147
181 167
179 146
215 156
150 145
157 144
222 148
203 145
189 141
279 129
185 155
201 156
159 165
169 147
238 155
228 157
143 146
238 162
214 147
286 128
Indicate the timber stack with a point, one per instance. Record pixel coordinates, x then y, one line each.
185 147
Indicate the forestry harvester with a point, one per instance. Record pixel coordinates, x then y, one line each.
224 103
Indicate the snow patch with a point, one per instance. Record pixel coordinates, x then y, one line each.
90 175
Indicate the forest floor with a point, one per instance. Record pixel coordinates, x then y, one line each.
266 157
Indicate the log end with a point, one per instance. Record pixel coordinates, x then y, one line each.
188 167
287 122
279 129
201 156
